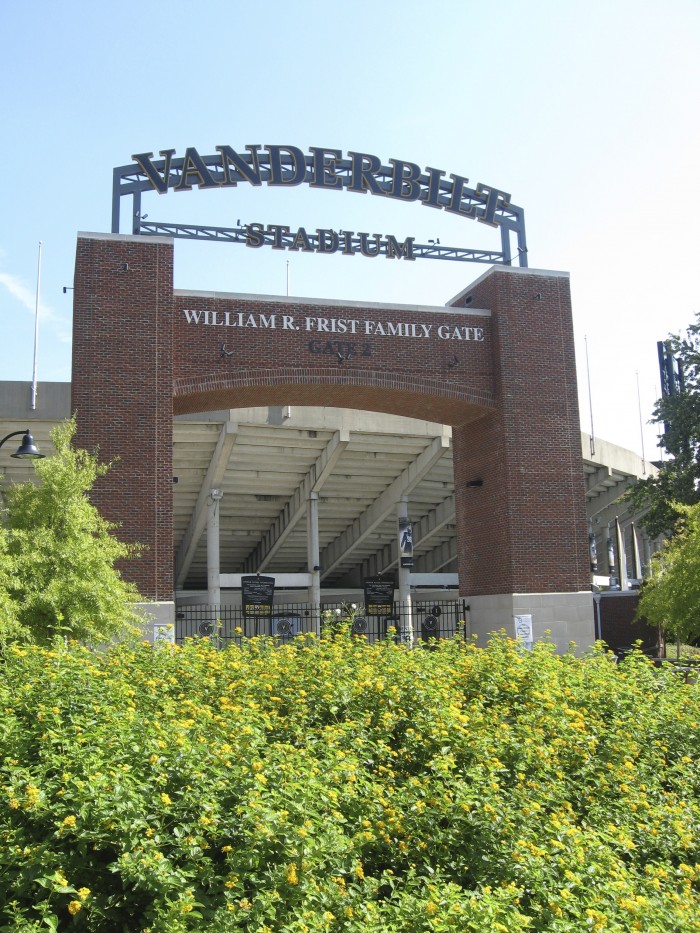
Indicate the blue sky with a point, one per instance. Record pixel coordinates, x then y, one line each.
587 113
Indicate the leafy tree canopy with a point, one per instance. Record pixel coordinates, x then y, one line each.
671 597
678 480
58 554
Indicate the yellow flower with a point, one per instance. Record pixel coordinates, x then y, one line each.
69 821
74 907
83 893
292 877
165 799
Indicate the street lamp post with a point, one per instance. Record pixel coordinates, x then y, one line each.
27 450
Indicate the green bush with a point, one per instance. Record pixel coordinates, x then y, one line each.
341 786
58 555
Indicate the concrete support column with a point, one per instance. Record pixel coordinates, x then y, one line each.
646 555
405 609
313 558
213 559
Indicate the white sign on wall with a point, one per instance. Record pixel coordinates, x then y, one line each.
523 630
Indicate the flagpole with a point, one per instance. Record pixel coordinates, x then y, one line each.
641 428
590 399
36 328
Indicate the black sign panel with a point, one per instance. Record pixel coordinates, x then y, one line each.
379 597
257 596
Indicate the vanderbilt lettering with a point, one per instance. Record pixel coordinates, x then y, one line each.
360 172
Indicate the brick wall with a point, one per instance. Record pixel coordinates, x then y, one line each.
524 529
122 391
142 353
438 378
619 628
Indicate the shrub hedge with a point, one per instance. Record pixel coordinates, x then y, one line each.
334 785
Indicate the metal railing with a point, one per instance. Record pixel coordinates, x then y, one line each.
421 623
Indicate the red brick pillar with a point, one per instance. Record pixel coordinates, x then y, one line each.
523 530
122 392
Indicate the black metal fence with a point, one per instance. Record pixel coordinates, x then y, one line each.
225 624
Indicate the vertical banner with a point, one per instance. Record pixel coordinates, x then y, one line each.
611 553
593 552
257 595
406 542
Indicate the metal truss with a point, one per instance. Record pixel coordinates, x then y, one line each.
132 180
286 240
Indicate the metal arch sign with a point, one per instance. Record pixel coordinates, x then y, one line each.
328 169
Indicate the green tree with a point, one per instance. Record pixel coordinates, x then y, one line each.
10 628
671 597
58 554
678 479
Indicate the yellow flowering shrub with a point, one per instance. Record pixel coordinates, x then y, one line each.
333 785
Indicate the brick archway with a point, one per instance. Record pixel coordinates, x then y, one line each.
497 364
368 391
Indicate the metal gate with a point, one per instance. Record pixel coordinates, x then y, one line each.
425 621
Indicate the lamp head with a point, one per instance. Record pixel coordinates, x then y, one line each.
28 450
